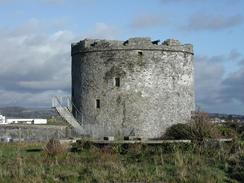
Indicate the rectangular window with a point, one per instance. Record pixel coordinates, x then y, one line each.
73 92
117 82
140 53
98 104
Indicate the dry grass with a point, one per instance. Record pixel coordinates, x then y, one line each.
138 163
202 127
199 128
54 149
194 162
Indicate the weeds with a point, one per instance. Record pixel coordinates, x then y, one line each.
54 148
126 163
199 129
140 163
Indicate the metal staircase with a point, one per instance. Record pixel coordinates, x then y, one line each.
63 107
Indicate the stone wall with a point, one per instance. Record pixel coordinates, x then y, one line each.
35 132
155 90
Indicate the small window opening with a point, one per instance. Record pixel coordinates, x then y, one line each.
140 53
156 42
126 42
94 44
117 82
72 91
98 104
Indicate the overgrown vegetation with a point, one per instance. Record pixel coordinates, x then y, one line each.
86 162
121 163
54 148
201 127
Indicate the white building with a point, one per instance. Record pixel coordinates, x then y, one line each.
4 120
26 121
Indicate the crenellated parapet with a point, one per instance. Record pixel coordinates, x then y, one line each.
96 45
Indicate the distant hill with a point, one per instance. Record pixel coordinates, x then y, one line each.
22 112
226 116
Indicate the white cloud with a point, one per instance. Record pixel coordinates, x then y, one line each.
45 85
36 65
208 77
35 56
216 89
28 99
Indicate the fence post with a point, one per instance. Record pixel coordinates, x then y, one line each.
19 129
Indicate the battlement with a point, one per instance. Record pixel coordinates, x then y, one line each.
138 43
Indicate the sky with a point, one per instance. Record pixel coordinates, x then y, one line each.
35 39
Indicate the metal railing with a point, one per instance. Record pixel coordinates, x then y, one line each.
63 107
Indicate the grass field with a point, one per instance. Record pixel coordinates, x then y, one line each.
197 162
117 163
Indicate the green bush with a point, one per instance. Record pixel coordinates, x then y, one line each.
227 132
236 167
178 131
81 144
242 136
238 127
198 129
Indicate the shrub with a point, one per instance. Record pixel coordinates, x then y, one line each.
82 144
54 148
234 125
199 128
242 136
178 131
202 127
236 167
227 132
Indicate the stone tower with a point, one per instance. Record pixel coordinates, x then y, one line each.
136 87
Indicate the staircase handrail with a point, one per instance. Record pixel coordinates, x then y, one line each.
59 107
76 109
67 108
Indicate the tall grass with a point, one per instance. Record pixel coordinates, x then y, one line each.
136 163
198 129
54 148
52 162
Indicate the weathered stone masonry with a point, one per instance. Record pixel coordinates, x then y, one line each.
137 87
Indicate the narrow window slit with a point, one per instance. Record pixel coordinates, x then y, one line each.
117 82
98 104
140 53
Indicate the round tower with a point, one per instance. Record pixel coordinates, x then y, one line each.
136 87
